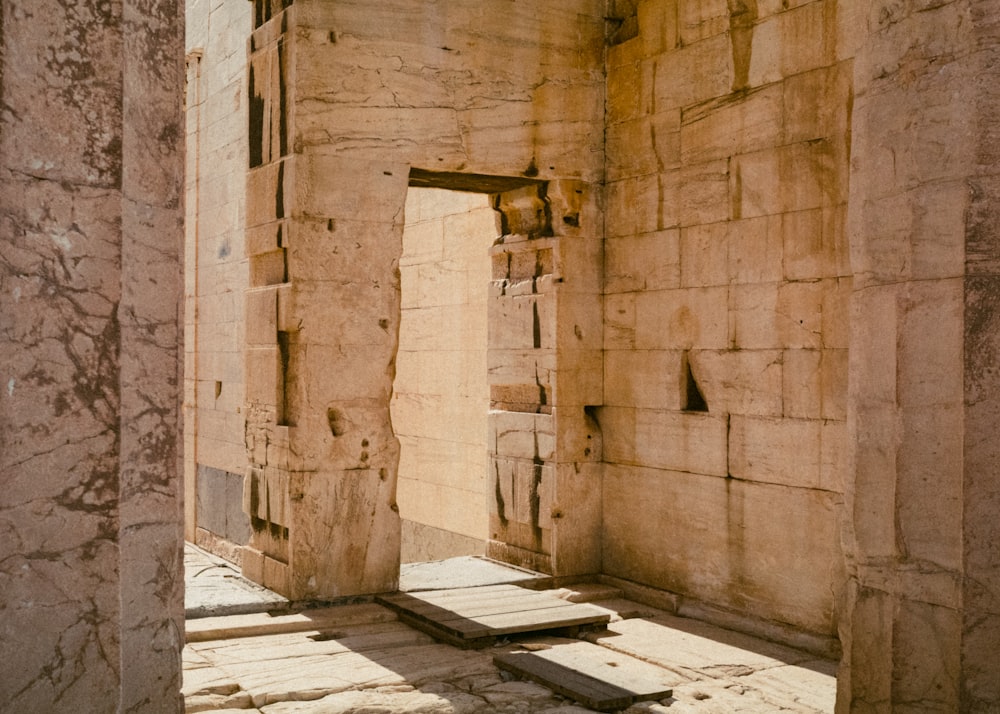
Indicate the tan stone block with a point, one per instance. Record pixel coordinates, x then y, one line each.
579 380
649 261
422 242
834 456
522 322
834 384
342 187
578 322
263 195
263 370
792 42
620 321
815 103
752 315
276 575
269 268
755 250
734 124
874 430
930 344
802 392
694 73
915 623
815 243
931 449
679 441
791 582
758 187
780 451
909 241
704 255
698 20
579 267
631 151
739 381
629 202
681 319
521 435
630 91
452 509
873 354
252 564
687 510
643 378
261 317
702 195
575 515
658 26
578 435
777 315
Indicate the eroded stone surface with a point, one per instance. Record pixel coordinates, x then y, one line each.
90 238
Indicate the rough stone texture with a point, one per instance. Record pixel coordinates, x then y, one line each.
741 321
215 258
356 658
727 281
331 155
920 612
90 212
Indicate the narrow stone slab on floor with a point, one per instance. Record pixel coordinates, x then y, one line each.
592 675
476 617
255 624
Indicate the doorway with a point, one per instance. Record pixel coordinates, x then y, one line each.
440 401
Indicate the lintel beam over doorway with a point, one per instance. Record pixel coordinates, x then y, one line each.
474 183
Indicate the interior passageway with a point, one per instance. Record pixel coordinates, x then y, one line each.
441 398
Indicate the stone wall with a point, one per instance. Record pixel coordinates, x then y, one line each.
91 133
350 104
727 280
920 619
216 270
440 397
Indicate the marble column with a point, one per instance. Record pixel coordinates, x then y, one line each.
91 614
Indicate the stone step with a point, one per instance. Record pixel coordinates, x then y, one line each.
321 618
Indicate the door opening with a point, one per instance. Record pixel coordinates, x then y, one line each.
440 401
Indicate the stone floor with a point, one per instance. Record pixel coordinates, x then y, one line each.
359 658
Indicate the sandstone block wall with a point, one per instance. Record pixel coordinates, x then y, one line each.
216 273
440 397
350 103
727 280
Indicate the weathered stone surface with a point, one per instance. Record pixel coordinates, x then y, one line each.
90 213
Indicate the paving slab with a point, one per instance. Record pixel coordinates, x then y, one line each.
462 572
275 623
695 649
590 674
213 587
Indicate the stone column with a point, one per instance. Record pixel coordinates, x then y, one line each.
921 623
90 244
